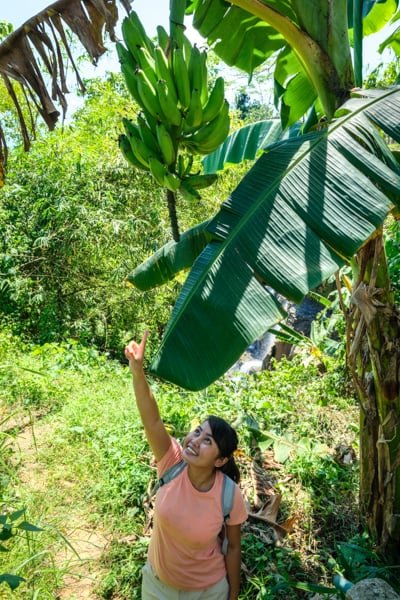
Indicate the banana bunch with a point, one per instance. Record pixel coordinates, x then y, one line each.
179 118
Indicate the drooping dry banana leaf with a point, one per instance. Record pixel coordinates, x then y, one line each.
34 56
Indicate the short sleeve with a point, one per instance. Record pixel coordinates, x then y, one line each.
238 513
171 457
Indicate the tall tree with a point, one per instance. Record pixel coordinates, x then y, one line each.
308 206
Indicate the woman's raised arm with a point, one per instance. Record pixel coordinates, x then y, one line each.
154 428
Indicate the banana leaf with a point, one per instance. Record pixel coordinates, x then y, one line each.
243 144
297 98
250 40
301 212
376 14
172 258
246 41
393 41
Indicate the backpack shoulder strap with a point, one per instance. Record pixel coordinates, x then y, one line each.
228 494
168 476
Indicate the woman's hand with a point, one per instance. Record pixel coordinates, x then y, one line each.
134 352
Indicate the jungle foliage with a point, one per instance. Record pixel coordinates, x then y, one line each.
74 220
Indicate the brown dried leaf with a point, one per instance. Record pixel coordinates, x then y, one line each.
289 524
271 508
87 19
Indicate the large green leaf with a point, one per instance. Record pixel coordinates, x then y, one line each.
197 336
172 258
393 42
241 39
297 98
286 66
292 88
306 205
243 144
376 14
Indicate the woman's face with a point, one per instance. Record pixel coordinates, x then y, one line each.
200 449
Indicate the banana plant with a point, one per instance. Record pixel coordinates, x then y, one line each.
273 232
309 205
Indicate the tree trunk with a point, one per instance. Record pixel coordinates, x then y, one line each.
173 217
374 358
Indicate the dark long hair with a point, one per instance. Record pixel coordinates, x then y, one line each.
227 441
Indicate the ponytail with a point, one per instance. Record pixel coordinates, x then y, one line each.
230 469
227 441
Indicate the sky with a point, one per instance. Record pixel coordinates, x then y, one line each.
152 12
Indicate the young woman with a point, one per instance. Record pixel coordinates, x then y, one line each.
185 559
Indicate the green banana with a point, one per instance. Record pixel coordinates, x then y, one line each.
127 152
169 109
166 144
141 151
181 77
125 57
188 192
147 135
139 147
158 170
199 182
186 46
132 38
131 82
210 136
172 182
136 22
131 130
210 146
189 165
194 116
204 77
151 121
195 69
147 94
181 166
146 63
215 101
163 72
163 39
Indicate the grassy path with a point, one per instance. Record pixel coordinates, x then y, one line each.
78 564
66 469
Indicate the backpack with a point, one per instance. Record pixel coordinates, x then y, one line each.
227 496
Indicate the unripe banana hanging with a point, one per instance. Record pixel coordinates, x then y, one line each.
178 118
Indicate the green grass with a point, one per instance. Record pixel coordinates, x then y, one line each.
92 460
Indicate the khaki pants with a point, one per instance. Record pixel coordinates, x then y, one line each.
154 589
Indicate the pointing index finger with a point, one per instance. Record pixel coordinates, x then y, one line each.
144 339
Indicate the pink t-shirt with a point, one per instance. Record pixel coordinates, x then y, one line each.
185 551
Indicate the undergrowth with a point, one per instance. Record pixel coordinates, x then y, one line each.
96 461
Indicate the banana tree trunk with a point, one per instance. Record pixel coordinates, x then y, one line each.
173 216
374 358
